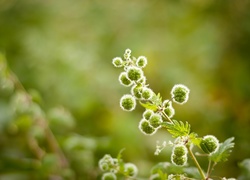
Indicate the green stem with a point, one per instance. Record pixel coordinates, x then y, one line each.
196 163
165 116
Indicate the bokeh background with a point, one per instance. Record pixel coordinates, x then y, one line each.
61 51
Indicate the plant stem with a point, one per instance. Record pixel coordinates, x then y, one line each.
196 163
164 114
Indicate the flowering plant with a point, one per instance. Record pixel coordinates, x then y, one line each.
159 114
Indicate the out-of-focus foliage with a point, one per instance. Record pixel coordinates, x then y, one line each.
61 51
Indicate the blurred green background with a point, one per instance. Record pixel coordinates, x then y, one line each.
61 51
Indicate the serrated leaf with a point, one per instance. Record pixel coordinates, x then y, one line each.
177 128
195 139
149 105
157 99
223 152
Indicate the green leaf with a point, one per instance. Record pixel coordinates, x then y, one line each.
223 152
177 128
195 139
149 105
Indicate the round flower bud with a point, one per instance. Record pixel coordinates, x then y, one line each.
106 162
109 176
147 114
127 51
130 169
127 54
136 90
141 61
128 102
117 62
209 144
178 160
155 120
147 93
169 111
180 94
123 79
146 128
180 150
134 73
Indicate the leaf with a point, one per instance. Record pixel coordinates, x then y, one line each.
177 128
195 139
149 105
157 99
223 152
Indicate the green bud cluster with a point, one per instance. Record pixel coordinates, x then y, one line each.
111 166
179 155
133 77
150 122
209 144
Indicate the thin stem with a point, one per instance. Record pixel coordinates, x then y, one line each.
165 116
196 163
209 168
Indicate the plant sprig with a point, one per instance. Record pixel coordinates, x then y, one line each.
159 113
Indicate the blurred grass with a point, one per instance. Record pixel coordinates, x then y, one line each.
63 49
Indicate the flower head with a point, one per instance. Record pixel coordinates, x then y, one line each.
128 102
180 93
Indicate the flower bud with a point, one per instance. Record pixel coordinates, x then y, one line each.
135 73
168 108
127 54
128 102
178 160
124 80
146 128
155 120
141 61
209 144
136 90
147 93
180 150
147 114
117 62
180 94
109 176
106 163
130 169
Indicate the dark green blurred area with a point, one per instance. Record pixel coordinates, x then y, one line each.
61 51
